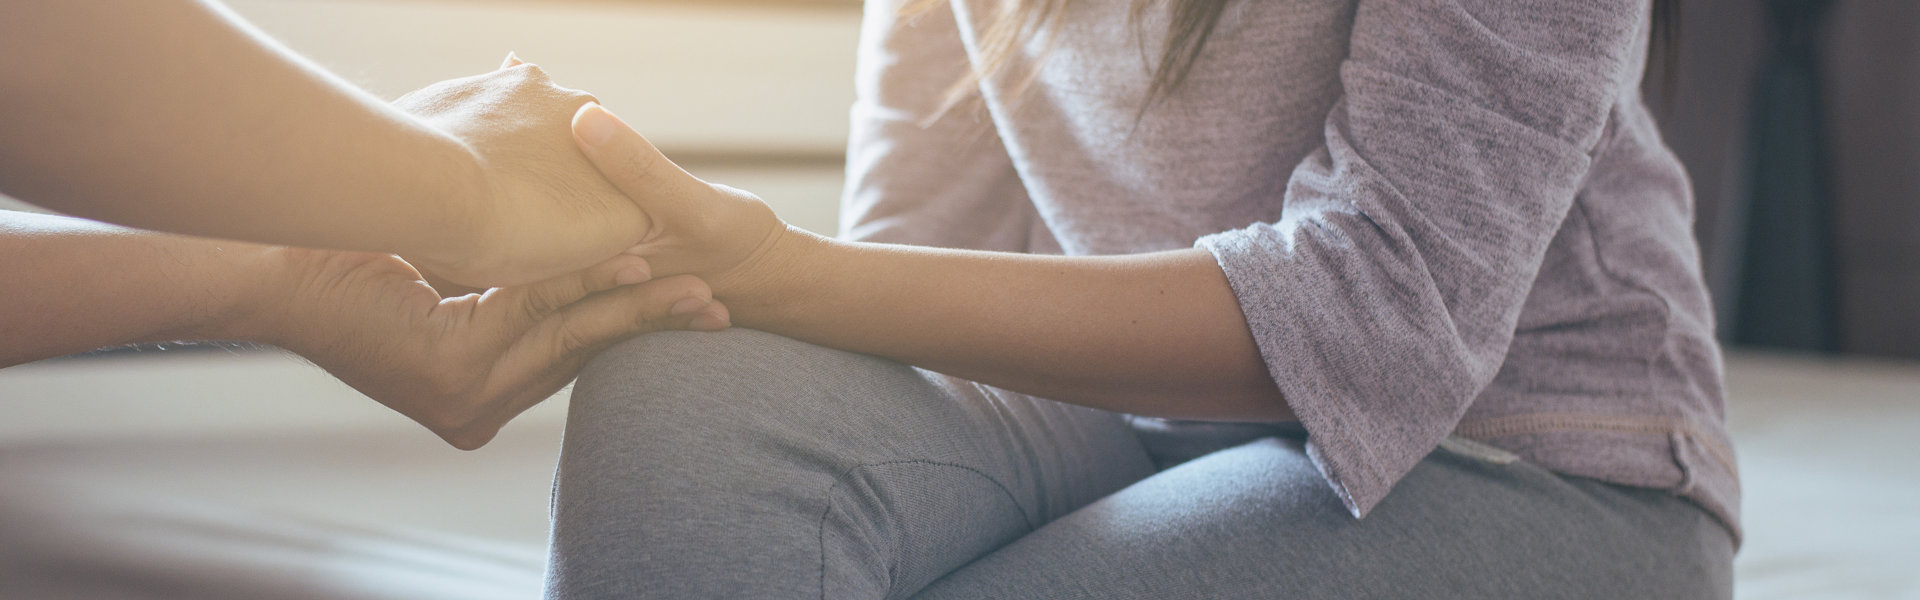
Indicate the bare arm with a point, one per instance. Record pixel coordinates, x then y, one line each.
171 115
1156 334
461 366
72 285
175 115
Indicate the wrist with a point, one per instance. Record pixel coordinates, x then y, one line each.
465 220
777 278
254 297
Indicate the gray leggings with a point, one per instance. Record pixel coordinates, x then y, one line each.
747 465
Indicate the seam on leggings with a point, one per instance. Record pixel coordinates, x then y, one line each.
1024 516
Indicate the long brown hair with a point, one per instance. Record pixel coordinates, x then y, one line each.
1192 22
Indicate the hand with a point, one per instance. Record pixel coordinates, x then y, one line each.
465 366
721 234
543 210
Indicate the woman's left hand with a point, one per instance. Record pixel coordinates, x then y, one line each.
465 366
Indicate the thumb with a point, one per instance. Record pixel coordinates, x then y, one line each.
625 157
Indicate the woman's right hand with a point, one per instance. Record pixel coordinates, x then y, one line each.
464 366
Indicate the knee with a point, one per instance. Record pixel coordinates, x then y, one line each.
678 374
683 389
668 367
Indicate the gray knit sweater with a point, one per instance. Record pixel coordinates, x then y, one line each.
1439 216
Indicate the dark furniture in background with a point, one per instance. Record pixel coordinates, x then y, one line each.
1867 179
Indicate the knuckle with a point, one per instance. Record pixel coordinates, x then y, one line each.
525 79
698 286
533 309
688 285
638 164
546 299
570 339
575 97
646 322
601 277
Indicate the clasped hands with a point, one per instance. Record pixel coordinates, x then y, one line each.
584 234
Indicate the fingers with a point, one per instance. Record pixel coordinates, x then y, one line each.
624 156
679 302
548 355
537 300
447 288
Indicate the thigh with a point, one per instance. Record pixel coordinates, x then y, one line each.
1256 521
744 464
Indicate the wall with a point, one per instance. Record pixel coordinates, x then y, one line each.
754 95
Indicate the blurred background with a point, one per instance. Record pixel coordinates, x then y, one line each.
251 459
1799 121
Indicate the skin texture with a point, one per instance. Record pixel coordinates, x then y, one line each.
461 366
1157 334
174 115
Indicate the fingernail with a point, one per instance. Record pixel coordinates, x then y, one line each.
688 306
594 124
632 275
709 322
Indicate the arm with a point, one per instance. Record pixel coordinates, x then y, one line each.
1382 299
461 366
1154 334
174 115
73 285
919 176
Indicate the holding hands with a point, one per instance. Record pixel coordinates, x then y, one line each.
709 230
180 118
535 259
540 208
466 365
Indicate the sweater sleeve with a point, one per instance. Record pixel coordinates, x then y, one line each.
1384 298
916 174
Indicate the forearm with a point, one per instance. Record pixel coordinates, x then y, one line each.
72 285
172 115
1157 334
